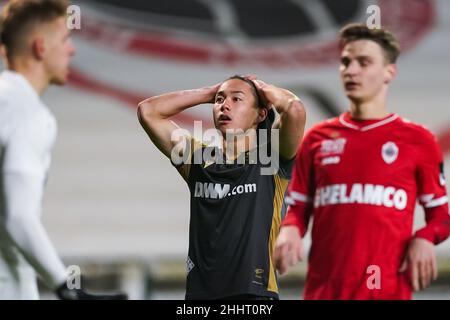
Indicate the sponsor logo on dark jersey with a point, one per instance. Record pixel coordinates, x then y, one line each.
219 191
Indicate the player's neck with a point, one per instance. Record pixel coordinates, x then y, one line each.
367 110
236 145
33 72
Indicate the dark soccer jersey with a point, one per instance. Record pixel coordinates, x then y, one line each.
235 219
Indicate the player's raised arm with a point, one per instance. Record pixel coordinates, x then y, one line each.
292 116
155 114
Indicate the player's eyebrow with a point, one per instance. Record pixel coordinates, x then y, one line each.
364 57
347 57
222 92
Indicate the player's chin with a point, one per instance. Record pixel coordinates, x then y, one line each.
229 132
63 76
354 96
222 130
60 80
223 126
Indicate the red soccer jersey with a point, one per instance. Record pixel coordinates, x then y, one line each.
360 181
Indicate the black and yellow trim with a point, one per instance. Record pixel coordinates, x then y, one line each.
280 189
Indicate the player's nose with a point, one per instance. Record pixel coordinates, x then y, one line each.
224 106
352 68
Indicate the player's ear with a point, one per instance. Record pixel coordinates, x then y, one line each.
3 53
262 114
390 72
38 47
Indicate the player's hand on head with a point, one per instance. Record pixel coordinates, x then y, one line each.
64 293
259 85
288 249
211 92
275 96
252 77
420 263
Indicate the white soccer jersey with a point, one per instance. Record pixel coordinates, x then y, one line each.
27 134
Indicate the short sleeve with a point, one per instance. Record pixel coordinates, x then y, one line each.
190 146
430 173
286 166
301 188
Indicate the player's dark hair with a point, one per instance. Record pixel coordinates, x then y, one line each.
260 103
18 18
358 31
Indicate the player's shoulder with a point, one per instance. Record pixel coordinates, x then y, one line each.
37 126
38 117
327 124
318 130
17 92
416 130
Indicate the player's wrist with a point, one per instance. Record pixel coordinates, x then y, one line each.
424 234
63 292
292 228
207 94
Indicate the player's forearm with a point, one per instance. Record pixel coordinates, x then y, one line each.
32 241
292 125
298 216
168 105
283 100
23 195
437 228
290 106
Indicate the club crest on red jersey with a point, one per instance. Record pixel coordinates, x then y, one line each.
389 152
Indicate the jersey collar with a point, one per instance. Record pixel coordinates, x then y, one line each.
364 125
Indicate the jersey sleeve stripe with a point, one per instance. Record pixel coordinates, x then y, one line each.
300 197
436 202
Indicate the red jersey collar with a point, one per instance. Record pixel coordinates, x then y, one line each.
364 125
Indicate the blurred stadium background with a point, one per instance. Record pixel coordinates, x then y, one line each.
115 206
